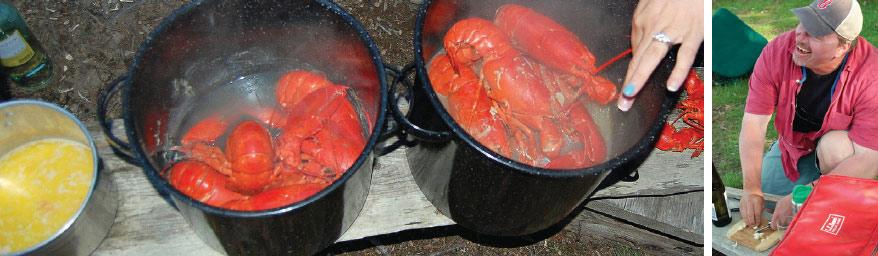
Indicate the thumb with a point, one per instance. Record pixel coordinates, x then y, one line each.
775 222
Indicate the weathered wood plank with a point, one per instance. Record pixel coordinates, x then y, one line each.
397 204
145 224
595 225
676 210
680 215
663 173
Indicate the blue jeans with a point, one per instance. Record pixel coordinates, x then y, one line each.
774 181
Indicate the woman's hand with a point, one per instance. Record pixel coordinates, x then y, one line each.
681 21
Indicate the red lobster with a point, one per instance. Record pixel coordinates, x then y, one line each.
530 98
555 46
320 137
201 182
323 129
692 136
512 83
248 160
468 103
250 151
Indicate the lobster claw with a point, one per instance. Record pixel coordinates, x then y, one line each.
600 90
207 130
201 182
205 153
545 40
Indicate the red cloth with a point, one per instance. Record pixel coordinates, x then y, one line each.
854 107
838 218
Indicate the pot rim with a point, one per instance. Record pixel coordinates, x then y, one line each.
161 184
643 146
95 170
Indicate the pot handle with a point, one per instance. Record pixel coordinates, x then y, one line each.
392 127
407 126
120 148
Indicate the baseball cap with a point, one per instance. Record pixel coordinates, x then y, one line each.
822 17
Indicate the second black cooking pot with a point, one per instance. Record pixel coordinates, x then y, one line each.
492 194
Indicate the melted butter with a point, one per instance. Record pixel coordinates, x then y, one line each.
42 185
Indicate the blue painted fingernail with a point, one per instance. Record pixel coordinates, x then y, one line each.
628 91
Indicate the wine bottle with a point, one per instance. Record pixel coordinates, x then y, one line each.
22 58
721 215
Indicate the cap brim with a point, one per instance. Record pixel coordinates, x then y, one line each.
812 23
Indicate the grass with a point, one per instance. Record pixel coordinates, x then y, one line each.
728 110
626 250
769 18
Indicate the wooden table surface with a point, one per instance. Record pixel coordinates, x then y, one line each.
666 200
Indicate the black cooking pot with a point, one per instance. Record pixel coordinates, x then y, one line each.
213 56
492 194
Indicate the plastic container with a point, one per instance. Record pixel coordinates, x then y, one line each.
800 194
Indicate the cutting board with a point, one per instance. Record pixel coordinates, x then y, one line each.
744 236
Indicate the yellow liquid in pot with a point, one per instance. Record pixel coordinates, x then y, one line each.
42 185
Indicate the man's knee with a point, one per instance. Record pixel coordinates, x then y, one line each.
833 147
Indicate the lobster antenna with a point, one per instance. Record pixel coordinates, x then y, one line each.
611 61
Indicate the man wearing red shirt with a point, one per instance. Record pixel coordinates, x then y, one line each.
820 80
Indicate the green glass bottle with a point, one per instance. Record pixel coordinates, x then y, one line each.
22 58
721 215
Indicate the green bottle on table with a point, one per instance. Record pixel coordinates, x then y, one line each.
721 215
22 58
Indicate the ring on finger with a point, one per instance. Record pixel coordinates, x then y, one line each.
661 37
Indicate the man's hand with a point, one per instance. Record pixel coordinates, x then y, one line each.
751 208
783 213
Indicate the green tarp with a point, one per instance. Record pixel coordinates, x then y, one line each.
736 46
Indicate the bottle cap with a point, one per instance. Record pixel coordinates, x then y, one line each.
800 193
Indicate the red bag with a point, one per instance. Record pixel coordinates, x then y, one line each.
840 217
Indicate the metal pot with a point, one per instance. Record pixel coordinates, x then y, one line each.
495 195
23 121
227 55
